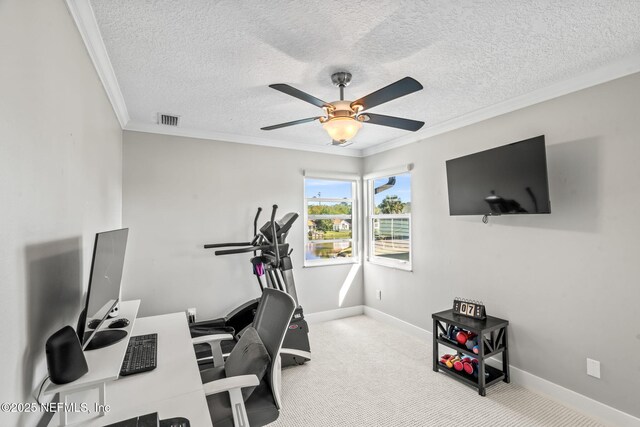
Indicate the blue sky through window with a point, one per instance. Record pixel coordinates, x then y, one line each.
402 188
326 189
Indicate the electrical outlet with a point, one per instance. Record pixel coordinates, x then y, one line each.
191 314
379 294
593 368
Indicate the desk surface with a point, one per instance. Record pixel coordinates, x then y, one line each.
104 364
177 368
173 389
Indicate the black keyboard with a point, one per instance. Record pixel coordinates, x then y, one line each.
141 354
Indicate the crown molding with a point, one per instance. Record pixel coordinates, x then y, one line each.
138 126
610 72
85 20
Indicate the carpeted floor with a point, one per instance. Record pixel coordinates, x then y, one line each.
365 373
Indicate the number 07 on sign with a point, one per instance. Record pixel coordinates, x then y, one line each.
469 308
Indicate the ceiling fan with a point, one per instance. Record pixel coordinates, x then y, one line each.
343 119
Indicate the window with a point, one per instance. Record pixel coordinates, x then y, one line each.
330 221
390 221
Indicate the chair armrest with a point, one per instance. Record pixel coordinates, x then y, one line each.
214 342
230 383
207 339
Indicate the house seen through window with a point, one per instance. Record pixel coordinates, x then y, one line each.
329 226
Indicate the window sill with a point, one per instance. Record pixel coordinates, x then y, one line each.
331 262
396 265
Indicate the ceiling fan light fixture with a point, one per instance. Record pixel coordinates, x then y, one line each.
342 128
343 118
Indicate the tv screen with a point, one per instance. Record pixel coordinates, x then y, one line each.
511 179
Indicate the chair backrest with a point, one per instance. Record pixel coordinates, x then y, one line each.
272 322
248 357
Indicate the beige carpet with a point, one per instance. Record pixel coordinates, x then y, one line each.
365 373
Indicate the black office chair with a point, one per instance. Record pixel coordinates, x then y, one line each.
245 391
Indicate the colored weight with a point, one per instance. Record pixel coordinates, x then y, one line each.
450 361
452 331
458 365
476 349
462 337
476 371
468 368
444 358
472 342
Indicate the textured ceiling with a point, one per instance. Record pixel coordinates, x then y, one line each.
211 61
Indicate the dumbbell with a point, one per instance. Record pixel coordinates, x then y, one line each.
475 365
452 331
463 336
444 358
458 364
469 365
453 362
471 342
448 360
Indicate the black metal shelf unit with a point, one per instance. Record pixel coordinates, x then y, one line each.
493 339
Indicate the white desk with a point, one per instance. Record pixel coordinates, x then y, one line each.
104 364
173 389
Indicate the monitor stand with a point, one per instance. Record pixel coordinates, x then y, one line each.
104 338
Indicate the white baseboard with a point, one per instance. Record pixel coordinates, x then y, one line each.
400 324
338 313
570 398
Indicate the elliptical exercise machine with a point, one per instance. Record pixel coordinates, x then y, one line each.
271 259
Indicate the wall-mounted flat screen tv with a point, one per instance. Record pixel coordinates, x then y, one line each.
511 179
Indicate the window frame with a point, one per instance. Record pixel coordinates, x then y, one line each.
371 216
355 221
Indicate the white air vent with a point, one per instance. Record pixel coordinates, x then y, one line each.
168 119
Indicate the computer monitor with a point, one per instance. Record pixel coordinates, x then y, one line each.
103 292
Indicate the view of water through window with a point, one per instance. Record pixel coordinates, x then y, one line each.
329 219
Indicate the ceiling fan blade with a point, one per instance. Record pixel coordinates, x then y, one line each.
297 93
394 122
388 93
295 122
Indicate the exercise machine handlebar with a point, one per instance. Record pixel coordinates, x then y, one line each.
255 222
255 230
275 234
251 243
253 248
224 245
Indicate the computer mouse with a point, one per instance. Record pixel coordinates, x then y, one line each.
119 323
93 323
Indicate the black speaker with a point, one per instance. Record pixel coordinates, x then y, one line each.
65 358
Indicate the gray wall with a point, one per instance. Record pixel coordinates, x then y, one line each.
180 193
60 183
568 281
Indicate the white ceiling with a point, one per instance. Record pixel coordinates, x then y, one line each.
211 61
